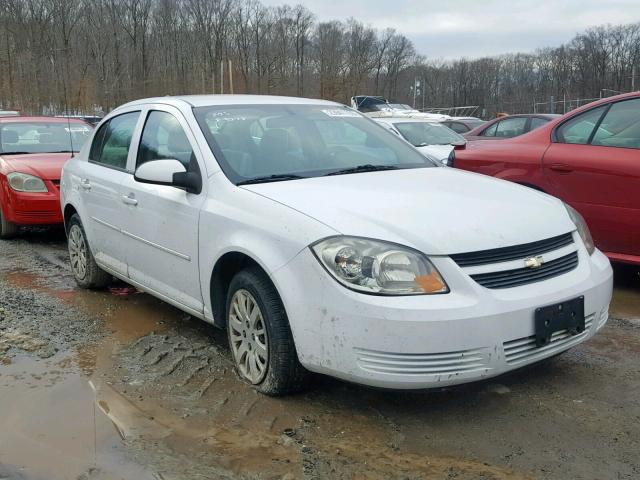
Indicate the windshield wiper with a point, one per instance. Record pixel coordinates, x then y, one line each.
14 153
63 151
363 168
270 178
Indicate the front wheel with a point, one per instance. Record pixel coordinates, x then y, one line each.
260 339
7 229
84 267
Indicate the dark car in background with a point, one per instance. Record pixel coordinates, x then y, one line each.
510 126
463 125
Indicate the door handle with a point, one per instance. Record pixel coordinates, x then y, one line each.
130 199
85 184
560 168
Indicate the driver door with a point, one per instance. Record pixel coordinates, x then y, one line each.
161 222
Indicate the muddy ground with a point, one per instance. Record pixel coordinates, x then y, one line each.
117 385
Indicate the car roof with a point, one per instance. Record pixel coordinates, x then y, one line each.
212 100
539 115
26 119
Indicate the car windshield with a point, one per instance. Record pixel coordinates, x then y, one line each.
420 134
42 137
285 142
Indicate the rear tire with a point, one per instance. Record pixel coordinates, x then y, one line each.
7 229
260 339
84 267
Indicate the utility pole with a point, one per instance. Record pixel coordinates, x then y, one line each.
633 78
230 77
415 83
221 76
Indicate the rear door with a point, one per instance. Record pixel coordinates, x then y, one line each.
594 165
100 180
161 222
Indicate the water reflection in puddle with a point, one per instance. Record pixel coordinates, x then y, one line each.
52 428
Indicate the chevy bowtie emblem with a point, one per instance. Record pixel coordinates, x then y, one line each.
533 262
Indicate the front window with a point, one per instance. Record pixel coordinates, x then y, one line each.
578 130
254 142
164 138
421 134
42 137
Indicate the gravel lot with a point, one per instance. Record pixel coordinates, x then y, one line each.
118 385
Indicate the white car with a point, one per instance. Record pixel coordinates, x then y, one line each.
428 136
323 242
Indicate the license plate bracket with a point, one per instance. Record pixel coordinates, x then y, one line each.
568 315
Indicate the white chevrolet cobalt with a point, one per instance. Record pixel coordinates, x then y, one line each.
323 242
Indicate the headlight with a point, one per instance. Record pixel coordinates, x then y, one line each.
23 182
583 229
373 266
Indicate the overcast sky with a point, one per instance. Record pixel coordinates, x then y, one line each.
473 28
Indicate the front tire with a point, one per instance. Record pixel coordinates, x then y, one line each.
7 229
84 267
259 335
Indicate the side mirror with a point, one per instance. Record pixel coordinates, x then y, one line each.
169 173
461 145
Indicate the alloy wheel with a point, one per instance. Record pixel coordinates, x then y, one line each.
248 336
78 251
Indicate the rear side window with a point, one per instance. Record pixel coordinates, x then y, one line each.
620 127
163 138
511 127
578 130
111 143
537 122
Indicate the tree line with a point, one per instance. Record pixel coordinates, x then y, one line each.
91 55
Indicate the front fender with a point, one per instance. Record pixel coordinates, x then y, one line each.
241 221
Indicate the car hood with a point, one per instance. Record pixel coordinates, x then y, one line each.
439 211
441 152
44 165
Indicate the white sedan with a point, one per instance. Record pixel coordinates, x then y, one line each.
322 242
428 136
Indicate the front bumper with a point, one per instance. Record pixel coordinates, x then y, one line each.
432 340
34 208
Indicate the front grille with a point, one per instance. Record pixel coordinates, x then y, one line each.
522 276
505 254
523 349
444 363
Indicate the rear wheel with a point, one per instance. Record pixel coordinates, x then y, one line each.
7 229
260 339
84 267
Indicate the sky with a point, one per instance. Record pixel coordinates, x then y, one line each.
450 29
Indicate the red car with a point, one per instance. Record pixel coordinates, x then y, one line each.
590 158
32 153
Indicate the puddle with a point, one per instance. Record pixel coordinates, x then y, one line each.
52 429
